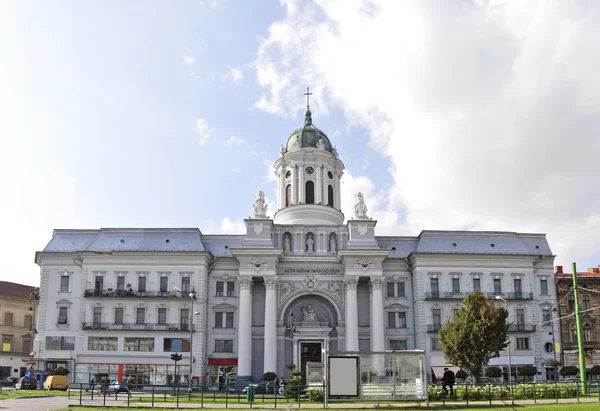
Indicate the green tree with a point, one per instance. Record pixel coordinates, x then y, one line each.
269 376
477 333
528 371
569 370
461 375
294 383
493 372
60 371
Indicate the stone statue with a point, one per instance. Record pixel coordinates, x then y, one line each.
287 244
321 144
310 244
297 144
309 313
332 244
259 208
334 152
360 209
282 151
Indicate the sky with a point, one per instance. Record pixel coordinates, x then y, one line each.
461 115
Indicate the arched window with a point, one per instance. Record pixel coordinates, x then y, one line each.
288 195
587 333
310 192
330 196
574 334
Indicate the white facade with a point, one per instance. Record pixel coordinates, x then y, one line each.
292 287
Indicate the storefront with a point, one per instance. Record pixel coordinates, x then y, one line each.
222 372
154 374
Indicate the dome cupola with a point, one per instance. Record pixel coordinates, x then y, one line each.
308 136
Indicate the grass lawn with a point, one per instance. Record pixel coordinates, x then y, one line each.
6 395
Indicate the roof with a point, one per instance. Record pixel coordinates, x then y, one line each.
308 136
219 245
8 289
401 247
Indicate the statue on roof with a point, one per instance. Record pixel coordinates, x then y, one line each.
321 144
259 208
360 208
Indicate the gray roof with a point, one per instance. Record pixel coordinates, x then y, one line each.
219 245
401 247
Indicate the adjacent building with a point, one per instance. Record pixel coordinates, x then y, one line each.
308 281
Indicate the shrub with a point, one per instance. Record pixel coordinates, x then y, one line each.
60 371
462 374
528 371
294 384
493 372
315 394
570 370
595 370
269 376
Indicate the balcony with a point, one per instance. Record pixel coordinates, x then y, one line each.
444 295
522 328
134 327
129 293
519 296
433 328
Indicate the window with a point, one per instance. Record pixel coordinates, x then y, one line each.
60 343
520 317
139 344
396 319
119 315
220 287
522 343
398 345
164 284
585 302
99 283
310 192
230 289
288 195
225 289
102 343
544 287
184 318
437 316
97 315
518 284
64 283
435 344
176 345
63 315
434 284
548 347
456 286
396 290
142 284
476 284
6 343
574 334
223 320
27 346
8 319
185 285
120 282
140 316
330 196
223 345
497 286
454 312
587 333
162 315
571 302
546 317
28 322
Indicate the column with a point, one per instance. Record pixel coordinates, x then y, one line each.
301 198
351 314
294 184
336 191
245 329
319 183
281 175
377 338
270 357
324 186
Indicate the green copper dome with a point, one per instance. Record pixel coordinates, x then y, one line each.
308 136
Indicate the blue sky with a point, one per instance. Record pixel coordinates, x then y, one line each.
470 115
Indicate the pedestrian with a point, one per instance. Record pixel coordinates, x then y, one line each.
92 383
448 381
433 378
129 384
281 386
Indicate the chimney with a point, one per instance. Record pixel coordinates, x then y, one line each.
559 269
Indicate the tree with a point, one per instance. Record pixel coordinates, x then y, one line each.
461 375
269 376
528 371
493 372
595 370
569 370
60 371
478 332
294 383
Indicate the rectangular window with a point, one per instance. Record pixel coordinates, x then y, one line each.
119 315
456 286
120 282
223 345
142 284
391 290
99 283
435 344
229 320
27 346
522 343
396 290
571 302
162 315
391 319
544 287
6 343
546 317
435 287
476 284
585 302
185 285
28 322
520 317
102 343
398 345
176 345
184 316
140 316
437 316
497 286
97 318
518 284
230 289
400 289
139 344
164 284
64 283
63 315
60 343
401 320
8 319
223 320
218 320
220 288
454 312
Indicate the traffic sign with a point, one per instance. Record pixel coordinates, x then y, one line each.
28 374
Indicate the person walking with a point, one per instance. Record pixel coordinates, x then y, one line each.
281 386
448 381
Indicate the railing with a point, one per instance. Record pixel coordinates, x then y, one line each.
433 328
129 293
519 296
522 327
493 295
134 326
438 295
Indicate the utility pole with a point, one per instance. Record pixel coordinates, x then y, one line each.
582 370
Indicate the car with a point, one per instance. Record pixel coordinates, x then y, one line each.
56 382
26 384
8 382
117 387
261 387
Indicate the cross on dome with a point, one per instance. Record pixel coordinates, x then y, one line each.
308 94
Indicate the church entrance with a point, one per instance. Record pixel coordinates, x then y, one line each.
310 352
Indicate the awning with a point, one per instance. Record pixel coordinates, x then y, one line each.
222 361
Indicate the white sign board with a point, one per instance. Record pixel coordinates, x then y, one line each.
343 376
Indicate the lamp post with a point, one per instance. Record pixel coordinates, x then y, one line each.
192 298
291 329
34 299
509 364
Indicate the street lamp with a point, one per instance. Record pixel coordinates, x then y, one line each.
509 364
291 329
193 298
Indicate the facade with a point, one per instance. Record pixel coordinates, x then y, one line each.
17 310
588 284
308 281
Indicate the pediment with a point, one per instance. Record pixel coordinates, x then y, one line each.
64 302
224 307
397 307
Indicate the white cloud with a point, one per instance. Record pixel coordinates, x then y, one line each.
188 58
488 114
213 4
203 131
235 74
229 226
236 170
235 141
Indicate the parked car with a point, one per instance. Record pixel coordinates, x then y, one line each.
26 384
261 387
56 382
117 387
8 382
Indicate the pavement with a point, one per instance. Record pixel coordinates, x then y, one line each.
41 403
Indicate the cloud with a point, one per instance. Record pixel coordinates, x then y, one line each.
212 4
229 226
203 131
488 114
236 75
236 170
188 58
235 141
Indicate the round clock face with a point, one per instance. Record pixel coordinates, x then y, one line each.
309 170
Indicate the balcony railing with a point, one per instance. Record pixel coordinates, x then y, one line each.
433 328
443 295
134 327
522 327
492 295
519 296
129 293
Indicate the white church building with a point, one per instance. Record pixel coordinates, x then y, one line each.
117 302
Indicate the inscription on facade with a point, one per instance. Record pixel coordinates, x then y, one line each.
312 270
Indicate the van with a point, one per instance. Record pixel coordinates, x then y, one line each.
56 382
